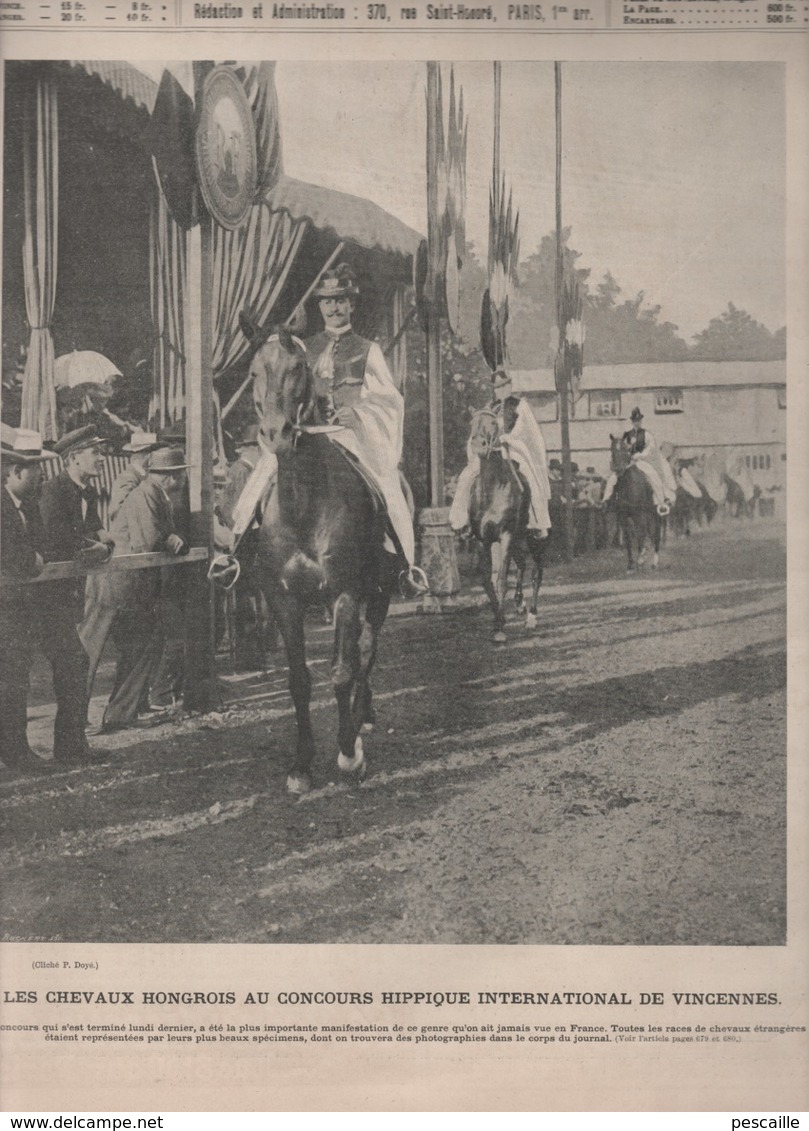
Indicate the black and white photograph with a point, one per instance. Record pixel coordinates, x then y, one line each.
394 512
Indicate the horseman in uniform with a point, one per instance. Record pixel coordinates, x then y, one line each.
522 441
647 457
355 390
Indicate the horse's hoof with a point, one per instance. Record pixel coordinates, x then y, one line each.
531 620
353 767
499 637
655 562
299 784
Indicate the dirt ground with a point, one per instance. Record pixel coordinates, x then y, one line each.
617 776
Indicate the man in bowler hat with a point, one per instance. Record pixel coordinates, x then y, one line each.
144 524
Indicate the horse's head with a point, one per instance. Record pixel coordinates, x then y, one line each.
620 454
485 432
283 387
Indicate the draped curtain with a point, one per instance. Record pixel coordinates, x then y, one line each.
167 283
40 190
250 268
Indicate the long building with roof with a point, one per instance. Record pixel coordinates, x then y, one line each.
729 417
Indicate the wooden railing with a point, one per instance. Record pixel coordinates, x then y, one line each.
58 571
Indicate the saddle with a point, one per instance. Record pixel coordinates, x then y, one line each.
368 478
375 491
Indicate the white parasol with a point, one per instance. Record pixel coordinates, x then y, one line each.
83 367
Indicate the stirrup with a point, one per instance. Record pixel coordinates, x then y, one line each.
663 509
416 578
224 571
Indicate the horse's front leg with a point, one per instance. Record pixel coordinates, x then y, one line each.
501 585
489 589
628 531
519 556
345 669
289 617
536 546
376 611
657 534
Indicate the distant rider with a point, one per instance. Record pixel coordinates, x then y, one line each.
522 441
646 455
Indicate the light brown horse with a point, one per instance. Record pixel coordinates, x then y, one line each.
498 517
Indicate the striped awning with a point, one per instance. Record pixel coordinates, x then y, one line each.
350 218
125 78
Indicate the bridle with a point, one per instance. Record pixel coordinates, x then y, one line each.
225 569
493 444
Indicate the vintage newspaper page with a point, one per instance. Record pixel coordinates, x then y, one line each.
566 871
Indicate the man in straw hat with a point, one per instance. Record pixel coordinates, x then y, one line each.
129 602
139 448
21 557
521 439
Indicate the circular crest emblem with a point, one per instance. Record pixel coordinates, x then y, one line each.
226 149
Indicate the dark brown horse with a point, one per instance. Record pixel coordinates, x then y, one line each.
635 509
498 517
321 542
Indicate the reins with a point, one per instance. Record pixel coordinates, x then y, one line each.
496 445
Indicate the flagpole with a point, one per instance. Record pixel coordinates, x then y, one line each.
496 143
562 376
433 304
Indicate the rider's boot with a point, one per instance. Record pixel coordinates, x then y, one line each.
413 582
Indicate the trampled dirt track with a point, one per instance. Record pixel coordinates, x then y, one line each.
617 776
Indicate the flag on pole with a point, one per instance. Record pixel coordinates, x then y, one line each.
572 335
504 253
447 250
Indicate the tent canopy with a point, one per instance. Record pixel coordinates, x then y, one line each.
348 217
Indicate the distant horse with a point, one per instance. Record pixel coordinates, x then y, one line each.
737 502
321 541
498 516
634 507
688 509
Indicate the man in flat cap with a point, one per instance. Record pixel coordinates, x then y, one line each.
73 532
69 503
21 558
522 440
356 390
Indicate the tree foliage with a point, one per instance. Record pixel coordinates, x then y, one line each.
736 336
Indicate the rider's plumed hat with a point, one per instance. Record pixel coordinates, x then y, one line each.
337 282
